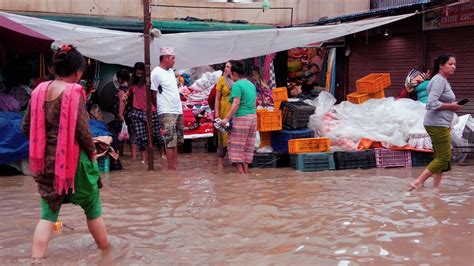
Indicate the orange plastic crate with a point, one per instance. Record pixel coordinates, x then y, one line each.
357 97
265 139
374 82
280 94
377 95
269 121
276 105
308 145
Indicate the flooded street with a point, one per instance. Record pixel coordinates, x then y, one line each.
274 216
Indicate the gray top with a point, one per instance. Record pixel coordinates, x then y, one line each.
440 92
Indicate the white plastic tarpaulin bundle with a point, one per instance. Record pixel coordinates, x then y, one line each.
192 49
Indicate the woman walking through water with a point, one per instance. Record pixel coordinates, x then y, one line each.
243 114
222 107
440 107
62 154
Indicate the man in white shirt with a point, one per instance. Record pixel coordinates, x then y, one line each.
168 104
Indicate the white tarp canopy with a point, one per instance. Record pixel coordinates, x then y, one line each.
192 49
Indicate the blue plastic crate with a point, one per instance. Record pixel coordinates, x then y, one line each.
310 162
354 159
280 138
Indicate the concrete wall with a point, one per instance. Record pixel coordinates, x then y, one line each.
304 10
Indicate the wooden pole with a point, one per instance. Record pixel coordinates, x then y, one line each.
146 38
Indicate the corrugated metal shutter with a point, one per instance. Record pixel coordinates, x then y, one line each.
395 55
459 42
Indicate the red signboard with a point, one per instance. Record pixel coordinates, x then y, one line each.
452 16
458 15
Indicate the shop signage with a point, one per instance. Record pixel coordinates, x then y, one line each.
453 16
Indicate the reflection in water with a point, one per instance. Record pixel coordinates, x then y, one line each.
199 215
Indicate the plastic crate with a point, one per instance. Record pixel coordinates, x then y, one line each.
357 97
280 138
390 158
265 139
276 105
377 95
374 82
269 121
421 158
309 145
310 162
265 160
354 159
280 94
283 160
295 115
104 164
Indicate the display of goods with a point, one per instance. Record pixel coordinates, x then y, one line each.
280 94
265 139
357 97
377 95
269 121
294 65
308 145
296 115
421 158
390 158
374 82
280 138
354 159
265 160
309 162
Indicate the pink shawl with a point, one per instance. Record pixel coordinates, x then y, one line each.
67 150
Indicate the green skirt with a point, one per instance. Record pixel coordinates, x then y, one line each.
86 191
441 140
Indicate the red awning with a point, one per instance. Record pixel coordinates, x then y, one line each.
18 38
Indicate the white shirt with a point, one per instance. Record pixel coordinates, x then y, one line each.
168 101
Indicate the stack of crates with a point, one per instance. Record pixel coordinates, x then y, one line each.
268 122
390 158
280 138
371 86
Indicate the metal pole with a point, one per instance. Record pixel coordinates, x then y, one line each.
146 38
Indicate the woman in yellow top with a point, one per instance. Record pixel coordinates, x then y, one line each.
222 107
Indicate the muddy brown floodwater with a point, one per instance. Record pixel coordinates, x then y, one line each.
274 216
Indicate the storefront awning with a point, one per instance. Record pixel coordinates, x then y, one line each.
195 48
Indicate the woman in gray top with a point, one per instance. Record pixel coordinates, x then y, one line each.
440 108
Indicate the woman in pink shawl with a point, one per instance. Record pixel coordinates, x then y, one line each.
62 154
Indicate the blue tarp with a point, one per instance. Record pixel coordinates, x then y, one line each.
99 128
13 144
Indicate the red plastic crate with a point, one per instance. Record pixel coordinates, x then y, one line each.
390 158
374 82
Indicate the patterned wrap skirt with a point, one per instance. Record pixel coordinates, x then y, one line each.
241 143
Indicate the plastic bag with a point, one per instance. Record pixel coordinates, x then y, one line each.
123 135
